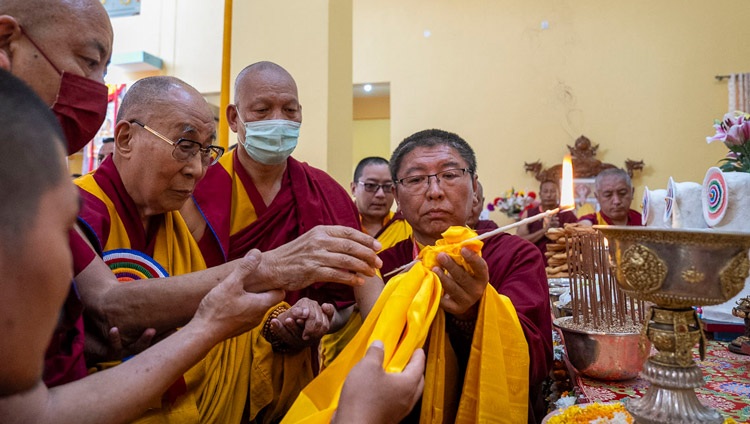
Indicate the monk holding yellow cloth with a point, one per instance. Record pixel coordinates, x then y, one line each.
435 175
410 304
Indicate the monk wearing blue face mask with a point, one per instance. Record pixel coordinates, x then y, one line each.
258 196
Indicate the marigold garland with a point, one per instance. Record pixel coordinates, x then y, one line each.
599 413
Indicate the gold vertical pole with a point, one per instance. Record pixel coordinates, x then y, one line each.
226 64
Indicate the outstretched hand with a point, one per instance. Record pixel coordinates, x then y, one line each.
303 324
371 395
327 253
228 310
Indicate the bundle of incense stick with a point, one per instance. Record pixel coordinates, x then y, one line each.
597 302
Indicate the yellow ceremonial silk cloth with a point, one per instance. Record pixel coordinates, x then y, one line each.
215 384
496 384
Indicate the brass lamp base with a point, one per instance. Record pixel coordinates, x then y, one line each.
672 371
671 397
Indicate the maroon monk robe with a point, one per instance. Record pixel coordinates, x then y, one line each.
485 225
516 270
634 218
308 197
63 360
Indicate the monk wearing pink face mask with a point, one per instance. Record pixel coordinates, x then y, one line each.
63 60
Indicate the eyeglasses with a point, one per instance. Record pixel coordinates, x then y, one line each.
418 184
185 149
373 188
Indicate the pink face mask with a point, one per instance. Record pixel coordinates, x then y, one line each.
80 106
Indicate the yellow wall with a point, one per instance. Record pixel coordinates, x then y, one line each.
372 128
635 77
372 138
372 107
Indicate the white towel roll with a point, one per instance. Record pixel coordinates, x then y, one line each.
687 204
653 208
726 200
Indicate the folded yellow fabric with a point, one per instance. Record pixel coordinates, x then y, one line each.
496 384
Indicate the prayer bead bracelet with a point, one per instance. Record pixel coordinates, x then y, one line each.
465 328
268 333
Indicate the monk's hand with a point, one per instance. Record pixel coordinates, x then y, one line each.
327 253
462 289
372 395
116 347
303 324
120 348
228 310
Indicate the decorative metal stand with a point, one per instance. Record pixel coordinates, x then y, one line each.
676 269
742 310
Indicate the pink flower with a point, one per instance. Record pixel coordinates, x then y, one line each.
738 134
733 130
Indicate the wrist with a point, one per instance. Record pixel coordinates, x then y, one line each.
268 332
461 326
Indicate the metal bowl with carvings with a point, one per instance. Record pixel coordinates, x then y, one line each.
678 268
600 355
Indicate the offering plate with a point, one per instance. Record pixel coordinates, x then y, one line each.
676 269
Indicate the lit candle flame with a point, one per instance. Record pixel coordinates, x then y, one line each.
567 201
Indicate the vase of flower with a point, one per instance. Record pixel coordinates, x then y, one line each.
513 203
734 131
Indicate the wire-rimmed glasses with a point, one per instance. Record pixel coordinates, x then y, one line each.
185 149
418 184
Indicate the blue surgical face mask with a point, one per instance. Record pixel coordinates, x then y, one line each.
270 142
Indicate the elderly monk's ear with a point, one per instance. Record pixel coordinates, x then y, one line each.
10 32
124 132
353 186
232 117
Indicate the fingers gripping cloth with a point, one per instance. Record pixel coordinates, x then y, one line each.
403 316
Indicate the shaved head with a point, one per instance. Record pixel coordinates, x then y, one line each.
40 17
261 68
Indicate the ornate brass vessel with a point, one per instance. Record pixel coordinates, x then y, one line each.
675 270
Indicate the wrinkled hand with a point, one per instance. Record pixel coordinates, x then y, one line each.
228 310
462 289
373 396
116 347
324 254
303 324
